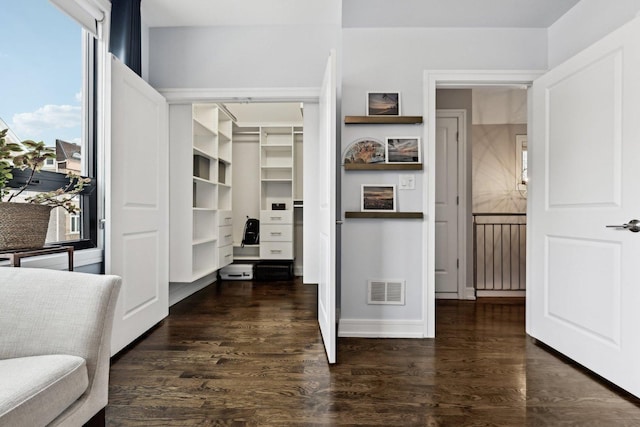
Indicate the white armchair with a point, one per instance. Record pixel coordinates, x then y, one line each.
55 334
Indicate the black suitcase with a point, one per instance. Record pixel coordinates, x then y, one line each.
273 271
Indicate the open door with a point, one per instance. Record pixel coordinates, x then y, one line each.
583 292
137 209
326 217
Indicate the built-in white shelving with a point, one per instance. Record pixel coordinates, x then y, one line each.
200 176
276 192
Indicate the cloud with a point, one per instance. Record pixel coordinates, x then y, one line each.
47 118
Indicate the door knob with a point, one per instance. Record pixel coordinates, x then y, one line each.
633 226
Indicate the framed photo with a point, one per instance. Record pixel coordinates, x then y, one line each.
383 103
403 149
365 150
378 198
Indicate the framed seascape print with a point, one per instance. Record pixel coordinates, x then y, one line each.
403 149
365 150
383 103
378 198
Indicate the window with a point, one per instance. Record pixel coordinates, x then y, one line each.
522 177
74 224
48 83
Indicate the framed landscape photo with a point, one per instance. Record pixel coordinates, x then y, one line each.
378 198
365 150
403 149
383 103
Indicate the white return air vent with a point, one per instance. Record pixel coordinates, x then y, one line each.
385 292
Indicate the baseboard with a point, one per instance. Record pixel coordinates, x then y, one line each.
180 291
494 294
469 293
364 328
447 295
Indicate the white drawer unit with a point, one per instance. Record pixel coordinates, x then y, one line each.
225 218
225 256
276 233
276 250
276 217
225 235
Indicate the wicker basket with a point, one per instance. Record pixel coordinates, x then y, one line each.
23 225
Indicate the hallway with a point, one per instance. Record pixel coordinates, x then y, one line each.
250 354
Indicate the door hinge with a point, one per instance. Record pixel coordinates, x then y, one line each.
458 200
457 136
458 263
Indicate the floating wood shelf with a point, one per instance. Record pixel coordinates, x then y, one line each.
383 120
383 166
385 215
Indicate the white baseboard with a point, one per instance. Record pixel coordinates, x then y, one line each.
447 295
180 291
493 294
364 328
469 293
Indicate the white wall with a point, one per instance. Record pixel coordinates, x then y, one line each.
394 60
585 23
240 57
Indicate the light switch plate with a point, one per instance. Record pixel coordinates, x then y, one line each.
407 182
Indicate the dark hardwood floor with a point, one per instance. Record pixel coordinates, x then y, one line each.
250 354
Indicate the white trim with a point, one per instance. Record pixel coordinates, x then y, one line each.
469 293
447 295
376 328
449 78
283 94
501 293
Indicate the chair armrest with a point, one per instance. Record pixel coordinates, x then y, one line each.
56 312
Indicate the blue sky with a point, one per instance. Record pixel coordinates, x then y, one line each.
40 71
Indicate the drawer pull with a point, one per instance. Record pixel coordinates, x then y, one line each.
227 236
276 217
276 233
227 256
276 251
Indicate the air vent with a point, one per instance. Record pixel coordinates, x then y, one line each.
386 292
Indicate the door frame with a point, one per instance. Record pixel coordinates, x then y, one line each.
462 189
451 79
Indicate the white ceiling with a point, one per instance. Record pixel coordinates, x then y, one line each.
185 13
454 13
357 13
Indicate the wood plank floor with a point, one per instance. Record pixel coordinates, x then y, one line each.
250 354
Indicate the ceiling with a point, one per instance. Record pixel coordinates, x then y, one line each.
454 13
357 13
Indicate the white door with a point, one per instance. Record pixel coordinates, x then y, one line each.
327 210
584 295
137 219
446 225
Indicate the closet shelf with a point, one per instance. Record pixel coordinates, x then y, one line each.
385 215
382 120
382 166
